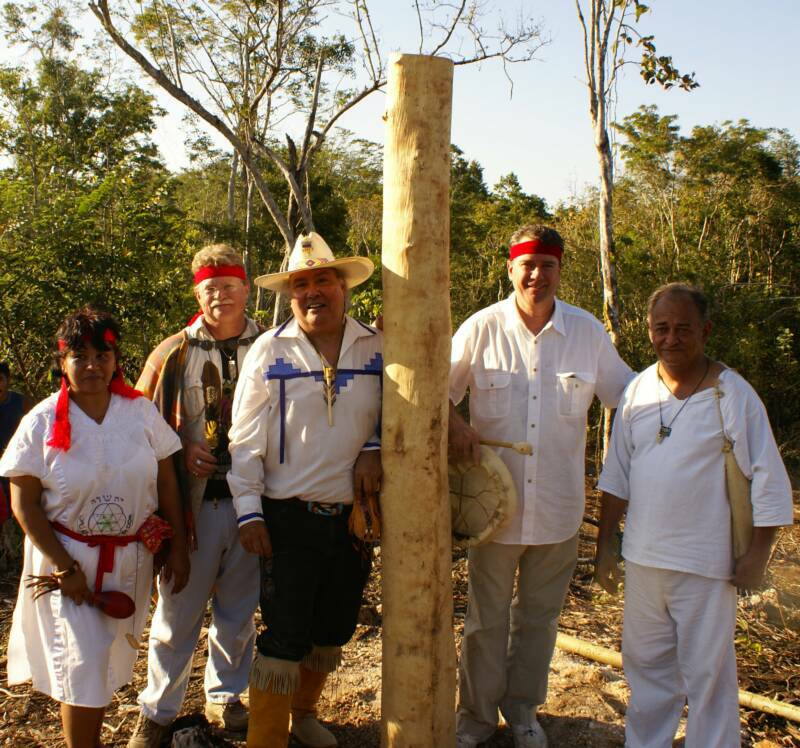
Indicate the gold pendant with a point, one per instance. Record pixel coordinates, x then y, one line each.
212 434
329 376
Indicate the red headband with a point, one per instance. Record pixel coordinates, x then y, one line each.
534 247
61 435
217 271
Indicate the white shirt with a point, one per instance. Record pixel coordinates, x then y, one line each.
280 442
678 514
106 483
537 389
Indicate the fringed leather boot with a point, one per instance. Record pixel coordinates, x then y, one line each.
273 684
314 671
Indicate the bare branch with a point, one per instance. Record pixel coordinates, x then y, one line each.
452 28
312 116
100 9
586 55
345 108
270 79
291 179
419 21
174 47
367 49
619 51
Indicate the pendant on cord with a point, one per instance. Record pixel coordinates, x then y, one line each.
663 433
329 375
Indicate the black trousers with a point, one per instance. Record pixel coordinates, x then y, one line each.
312 586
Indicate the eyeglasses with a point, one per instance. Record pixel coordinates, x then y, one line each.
211 291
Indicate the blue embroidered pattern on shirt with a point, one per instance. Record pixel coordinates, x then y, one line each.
283 370
343 376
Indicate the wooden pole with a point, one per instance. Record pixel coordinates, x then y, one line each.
418 698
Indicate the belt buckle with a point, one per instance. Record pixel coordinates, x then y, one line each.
326 510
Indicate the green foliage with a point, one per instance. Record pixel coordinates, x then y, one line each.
719 208
653 68
87 213
481 223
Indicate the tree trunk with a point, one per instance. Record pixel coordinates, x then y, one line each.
281 300
418 649
248 223
231 211
606 230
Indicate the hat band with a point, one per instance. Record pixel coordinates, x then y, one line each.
534 247
217 271
311 262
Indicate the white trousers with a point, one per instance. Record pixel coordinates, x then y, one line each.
677 647
507 646
223 571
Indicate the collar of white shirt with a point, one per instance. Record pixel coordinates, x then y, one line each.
512 318
353 330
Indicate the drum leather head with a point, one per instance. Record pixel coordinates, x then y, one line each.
482 499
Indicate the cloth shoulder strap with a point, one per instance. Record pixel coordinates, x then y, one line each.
727 442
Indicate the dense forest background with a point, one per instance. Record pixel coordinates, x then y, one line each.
89 213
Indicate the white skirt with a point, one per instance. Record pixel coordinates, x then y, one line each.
75 653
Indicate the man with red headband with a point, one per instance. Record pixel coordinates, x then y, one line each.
191 376
533 365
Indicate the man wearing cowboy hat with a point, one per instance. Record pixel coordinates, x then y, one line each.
191 377
533 365
304 443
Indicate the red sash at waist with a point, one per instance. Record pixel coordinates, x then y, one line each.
151 533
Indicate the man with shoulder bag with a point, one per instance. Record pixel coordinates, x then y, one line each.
677 425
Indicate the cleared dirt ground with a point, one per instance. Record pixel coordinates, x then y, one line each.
586 702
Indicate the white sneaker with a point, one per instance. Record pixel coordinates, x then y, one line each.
529 736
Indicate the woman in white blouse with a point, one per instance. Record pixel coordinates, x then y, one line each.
89 466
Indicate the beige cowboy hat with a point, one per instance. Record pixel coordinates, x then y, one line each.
482 499
311 252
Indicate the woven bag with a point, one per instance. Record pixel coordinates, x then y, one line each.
737 487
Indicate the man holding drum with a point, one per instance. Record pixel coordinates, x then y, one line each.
533 365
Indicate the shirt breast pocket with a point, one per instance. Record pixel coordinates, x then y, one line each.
574 393
491 397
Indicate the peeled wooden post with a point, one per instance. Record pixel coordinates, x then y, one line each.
418 695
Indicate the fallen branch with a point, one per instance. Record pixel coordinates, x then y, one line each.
10 695
614 659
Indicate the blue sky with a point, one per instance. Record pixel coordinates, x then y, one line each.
744 56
